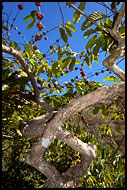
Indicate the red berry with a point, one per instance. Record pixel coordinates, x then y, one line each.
55 85
96 73
66 84
67 71
40 16
20 7
38 37
62 86
76 68
72 80
35 47
102 71
62 74
40 25
39 81
83 73
49 85
81 69
86 81
76 77
38 3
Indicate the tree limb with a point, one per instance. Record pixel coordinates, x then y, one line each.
22 61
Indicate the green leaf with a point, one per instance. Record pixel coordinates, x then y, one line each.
87 60
49 71
108 23
89 32
91 42
77 16
31 24
27 18
95 16
77 61
14 45
65 62
68 31
95 111
55 68
72 63
29 51
99 42
111 78
34 14
70 26
63 34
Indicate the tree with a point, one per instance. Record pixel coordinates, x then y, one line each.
45 116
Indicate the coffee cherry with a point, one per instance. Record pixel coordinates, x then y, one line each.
102 71
39 81
82 64
66 84
81 69
96 73
86 81
20 7
61 74
76 68
38 37
40 25
46 38
76 77
55 85
57 40
49 85
51 47
38 3
44 33
44 55
40 16
72 80
62 86
83 73
47 98
67 71
35 47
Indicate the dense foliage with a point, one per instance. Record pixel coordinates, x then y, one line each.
106 171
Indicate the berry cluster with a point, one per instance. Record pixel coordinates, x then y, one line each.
40 16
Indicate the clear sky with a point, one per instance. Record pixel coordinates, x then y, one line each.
53 18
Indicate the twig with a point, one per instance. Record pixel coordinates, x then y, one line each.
91 20
61 12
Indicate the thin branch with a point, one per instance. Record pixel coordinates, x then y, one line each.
61 12
118 20
88 18
22 61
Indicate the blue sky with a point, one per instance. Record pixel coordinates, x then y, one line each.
52 18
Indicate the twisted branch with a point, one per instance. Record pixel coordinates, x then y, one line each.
22 61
